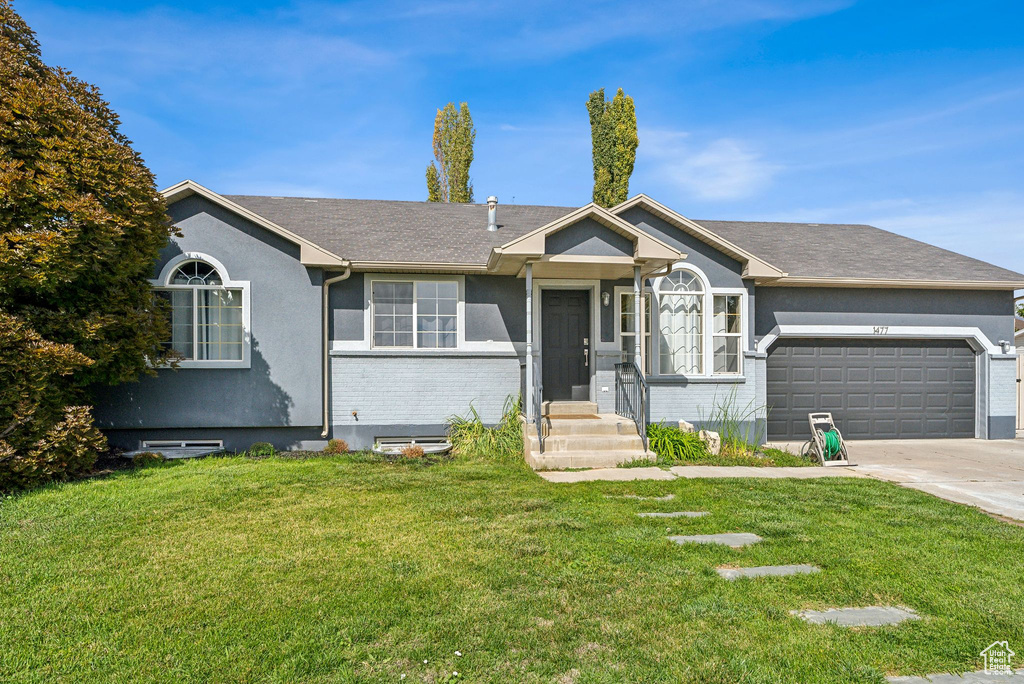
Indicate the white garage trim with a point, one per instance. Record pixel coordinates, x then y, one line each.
973 336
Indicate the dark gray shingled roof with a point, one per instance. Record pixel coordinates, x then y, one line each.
834 250
384 230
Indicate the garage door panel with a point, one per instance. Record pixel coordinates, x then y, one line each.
855 374
831 374
876 389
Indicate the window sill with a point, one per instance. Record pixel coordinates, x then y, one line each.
182 365
695 379
450 353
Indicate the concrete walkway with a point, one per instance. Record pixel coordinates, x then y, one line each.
688 472
988 474
985 473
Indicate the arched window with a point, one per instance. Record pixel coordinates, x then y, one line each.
206 315
681 323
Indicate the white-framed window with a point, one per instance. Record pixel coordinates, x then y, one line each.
209 314
627 327
700 329
681 324
727 331
414 313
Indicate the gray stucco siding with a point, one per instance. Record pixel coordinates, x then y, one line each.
721 269
345 302
495 308
413 389
588 237
990 311
282 386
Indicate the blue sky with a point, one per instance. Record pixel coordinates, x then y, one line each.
906 115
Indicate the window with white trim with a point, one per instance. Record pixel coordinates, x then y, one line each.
417 314
681 324
206 318
627 328
726 334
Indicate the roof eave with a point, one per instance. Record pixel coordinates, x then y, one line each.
807 281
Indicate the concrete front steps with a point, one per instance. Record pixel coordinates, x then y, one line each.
576 436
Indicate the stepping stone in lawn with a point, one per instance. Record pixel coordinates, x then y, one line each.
733 539
676 514
767 571
872 616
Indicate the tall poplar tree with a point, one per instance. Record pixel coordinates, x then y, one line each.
614 139
454 135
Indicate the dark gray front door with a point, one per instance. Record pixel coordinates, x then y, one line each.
895 389
565 332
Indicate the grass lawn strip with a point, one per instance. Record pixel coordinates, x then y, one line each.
324 570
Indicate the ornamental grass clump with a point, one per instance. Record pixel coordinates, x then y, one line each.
469 436
675 446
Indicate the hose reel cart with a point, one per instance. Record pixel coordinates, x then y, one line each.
827 445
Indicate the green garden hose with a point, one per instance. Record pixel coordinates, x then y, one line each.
832 444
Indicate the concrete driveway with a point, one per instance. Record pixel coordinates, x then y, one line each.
988 474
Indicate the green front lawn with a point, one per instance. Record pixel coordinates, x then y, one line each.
228 569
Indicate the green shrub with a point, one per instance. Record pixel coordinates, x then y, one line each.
675 446
261 449
41 438
336 446
147 458
67 449
470 437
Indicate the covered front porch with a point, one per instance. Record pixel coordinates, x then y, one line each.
585 402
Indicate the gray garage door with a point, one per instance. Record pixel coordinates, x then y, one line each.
897 389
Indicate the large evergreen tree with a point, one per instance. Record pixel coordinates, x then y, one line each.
614 138
454 136
81 224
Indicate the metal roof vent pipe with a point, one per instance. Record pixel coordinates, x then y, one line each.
492 213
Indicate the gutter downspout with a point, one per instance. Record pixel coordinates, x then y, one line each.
326 343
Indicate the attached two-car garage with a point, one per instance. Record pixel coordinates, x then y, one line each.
875 389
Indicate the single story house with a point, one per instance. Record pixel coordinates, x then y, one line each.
302 319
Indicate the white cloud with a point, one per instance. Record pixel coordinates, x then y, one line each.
722 169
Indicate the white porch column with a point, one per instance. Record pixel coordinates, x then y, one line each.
528 399
638 312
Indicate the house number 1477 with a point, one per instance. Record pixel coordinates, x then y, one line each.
881 329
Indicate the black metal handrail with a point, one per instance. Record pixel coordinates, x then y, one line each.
631 396
538 407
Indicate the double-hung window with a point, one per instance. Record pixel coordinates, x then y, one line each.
417 314
627 328
206 317
726 333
